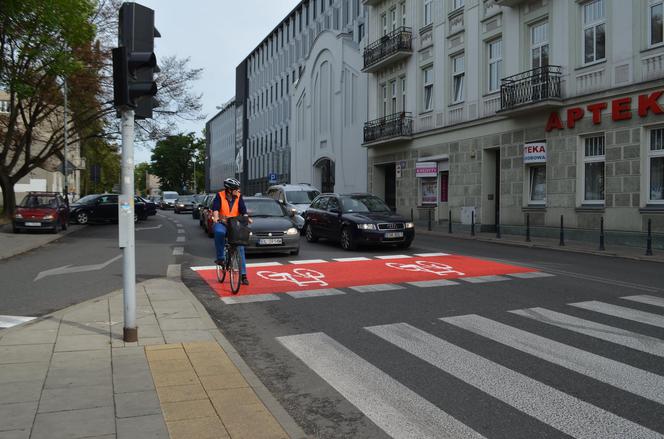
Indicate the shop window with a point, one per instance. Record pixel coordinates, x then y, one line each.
593 170
444 186
537 184
428 190
656 166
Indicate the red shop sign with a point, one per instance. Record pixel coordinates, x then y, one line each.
621 109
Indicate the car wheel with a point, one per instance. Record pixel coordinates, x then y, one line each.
135 217
309 234
347 241
82 218
65 224
295 252
15 229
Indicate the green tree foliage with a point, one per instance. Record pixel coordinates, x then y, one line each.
140 172
103 163
172 161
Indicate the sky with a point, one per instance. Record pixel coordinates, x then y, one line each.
217 35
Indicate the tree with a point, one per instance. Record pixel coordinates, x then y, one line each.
172 161
140 181
43 41
102 170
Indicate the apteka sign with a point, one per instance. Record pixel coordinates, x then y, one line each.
534 152
621 109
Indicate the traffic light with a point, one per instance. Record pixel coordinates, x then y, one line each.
134 62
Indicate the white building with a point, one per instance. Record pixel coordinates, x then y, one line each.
518 109
220 147
328 108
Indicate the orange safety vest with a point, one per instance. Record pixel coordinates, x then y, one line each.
226 211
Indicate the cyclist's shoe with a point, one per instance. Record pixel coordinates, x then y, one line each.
245 280
219 262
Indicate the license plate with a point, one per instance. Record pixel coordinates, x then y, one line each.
393 235
273 241
33 224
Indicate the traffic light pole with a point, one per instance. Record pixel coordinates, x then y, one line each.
126 227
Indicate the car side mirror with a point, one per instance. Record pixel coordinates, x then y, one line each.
291 213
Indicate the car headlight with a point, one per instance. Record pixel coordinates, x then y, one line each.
366 226
48 217
292 231
410 225
18 215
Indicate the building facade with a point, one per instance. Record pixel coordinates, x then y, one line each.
503 111
265 78
327 112
221 147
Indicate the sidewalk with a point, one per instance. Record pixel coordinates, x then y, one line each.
12 244
70 375
634 253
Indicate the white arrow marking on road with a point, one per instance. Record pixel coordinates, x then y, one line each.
68 269
148 228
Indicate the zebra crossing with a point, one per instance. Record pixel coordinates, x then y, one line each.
401 412
9 321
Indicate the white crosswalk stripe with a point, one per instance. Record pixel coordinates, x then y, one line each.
622 312
648 300
396 409
9 321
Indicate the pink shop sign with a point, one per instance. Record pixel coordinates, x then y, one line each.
426 169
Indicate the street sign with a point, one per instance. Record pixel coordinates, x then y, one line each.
272 178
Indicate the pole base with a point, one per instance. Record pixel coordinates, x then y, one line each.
130 335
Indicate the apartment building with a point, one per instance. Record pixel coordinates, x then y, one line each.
501 110
221 160
264 81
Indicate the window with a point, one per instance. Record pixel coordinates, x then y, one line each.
656 166
383 21
4 106
393 87
593 170
393 18
594 31
495 64
427 74
333 205
458 74
360 32
537 184
403 94
384 94
656 24
539 45
402 7
427 12
458 4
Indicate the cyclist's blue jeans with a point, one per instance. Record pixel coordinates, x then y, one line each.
220 242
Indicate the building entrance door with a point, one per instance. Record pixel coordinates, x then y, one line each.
497 186
326 171
391 185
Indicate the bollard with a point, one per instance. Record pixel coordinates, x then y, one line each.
472 223
649 242
562 232
429 225
411 215
449 221
498 224
601 234
528 227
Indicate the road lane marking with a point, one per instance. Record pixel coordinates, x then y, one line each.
203 268
233 300
622 376
483 279
424 255
9 321
178 251
138 229
361 258
68 269
180 239
376 288
622 312
433 283
393 407
308 261
530 275
315 293
180 231
623 337
648 300
393 257
547 404
264 264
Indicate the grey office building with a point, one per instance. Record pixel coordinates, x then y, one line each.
220 139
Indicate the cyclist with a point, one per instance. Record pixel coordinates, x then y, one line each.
228 204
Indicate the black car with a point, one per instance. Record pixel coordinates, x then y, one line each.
102 209
199 201
356 219
184 203
150 206
273 228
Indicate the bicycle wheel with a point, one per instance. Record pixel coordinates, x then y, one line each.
235 271
221 273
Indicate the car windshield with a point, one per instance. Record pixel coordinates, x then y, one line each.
301 197
170 196
39 201
264 208
88 199
364 204
185 199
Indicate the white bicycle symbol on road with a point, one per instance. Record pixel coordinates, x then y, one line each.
300 276
426 267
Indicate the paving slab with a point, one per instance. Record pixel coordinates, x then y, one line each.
25 354
133 404
185 336
76 398
177 411
78 376
12 373
189 392
81 342
74 424
143 427
23 391
201 428
17 416
15 434
29 336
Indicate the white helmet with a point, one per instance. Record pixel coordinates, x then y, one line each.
231 183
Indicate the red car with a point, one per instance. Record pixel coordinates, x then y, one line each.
207 222
41 211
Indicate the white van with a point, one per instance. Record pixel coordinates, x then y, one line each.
168 199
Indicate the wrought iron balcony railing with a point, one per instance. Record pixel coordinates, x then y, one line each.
394 125
536 85
399 40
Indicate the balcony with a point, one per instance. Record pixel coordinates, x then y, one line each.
510 3
536 89
392 128
390 48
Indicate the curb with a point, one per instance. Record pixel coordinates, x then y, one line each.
543 246
52 238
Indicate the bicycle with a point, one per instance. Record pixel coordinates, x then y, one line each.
231 264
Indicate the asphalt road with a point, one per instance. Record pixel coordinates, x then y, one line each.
24 293
378 364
